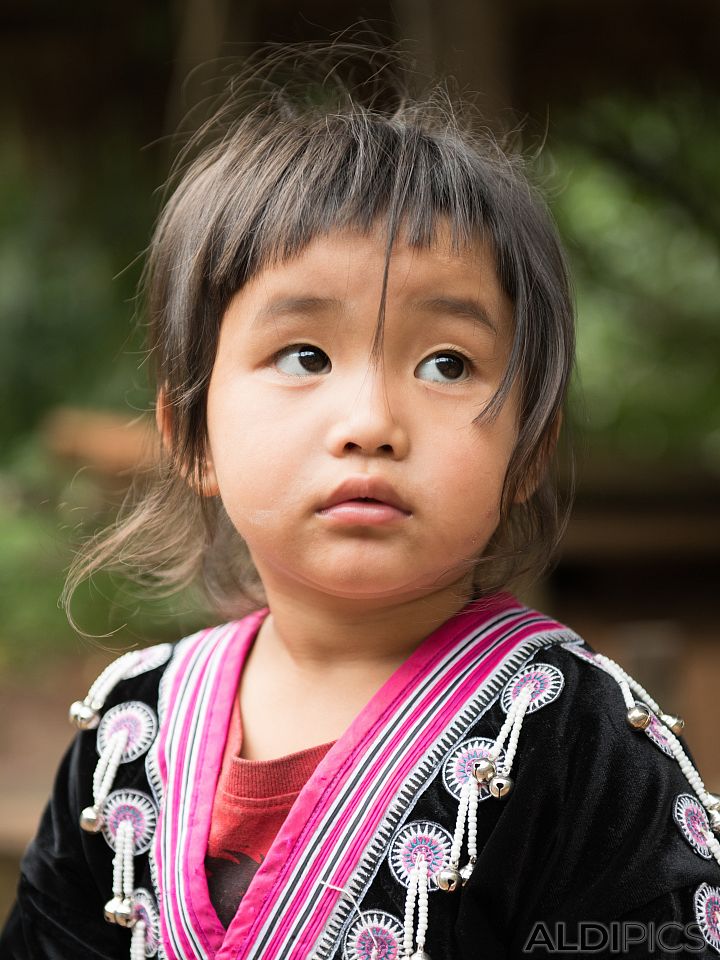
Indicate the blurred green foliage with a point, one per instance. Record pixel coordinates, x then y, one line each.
44 514
638 207
634 188
71 230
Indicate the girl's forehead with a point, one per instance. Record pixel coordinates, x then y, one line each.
342 273
348 262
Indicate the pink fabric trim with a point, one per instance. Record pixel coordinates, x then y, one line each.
218 656
317 794
206 925
169 897
430 733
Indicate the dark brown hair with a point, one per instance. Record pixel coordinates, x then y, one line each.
279 163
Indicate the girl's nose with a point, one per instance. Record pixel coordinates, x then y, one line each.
364 421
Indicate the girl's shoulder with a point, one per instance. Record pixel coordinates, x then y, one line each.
143 673
613 814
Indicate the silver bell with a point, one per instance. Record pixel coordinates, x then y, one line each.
449 879
125 913
713 801
111 908
714 817
467 871
83 715
676 724
639 717
484 770
91 820
500 786
420 955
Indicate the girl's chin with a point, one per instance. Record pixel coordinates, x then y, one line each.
358 586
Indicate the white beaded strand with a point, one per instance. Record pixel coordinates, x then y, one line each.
620 675
115 903
91 818
120 909
422 924
107 766
691 774
472 819
128 859
85 714
414 936
499 785
713 845
497 746
521 705
462 818
409 918
109 678
626 682
137 943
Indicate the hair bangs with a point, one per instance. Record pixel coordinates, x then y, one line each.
358 172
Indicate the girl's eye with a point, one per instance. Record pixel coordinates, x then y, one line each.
443 367
302 360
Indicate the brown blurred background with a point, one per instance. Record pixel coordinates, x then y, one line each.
624 97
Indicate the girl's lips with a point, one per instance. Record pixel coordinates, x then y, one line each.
363 513
364 486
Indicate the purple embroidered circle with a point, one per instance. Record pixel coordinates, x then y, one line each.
134 806
374 930
707 913
458 768
421 838
657 731
146 911
545 681
692 819
135 718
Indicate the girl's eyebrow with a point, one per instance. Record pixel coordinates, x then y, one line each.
292 306
461 307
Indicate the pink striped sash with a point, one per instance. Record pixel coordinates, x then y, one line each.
338 830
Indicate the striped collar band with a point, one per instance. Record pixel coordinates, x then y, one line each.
344 818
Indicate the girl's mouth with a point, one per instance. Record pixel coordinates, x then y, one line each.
362 511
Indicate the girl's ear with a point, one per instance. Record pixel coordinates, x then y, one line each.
545 455
205 487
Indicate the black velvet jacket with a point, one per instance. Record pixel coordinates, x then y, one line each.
589 855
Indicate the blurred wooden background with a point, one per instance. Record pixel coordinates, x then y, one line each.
625 97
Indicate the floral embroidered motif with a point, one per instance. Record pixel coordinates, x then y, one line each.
707 913
374 930
134 717
135 806
546 681
692 819
458 768
146 910
419 837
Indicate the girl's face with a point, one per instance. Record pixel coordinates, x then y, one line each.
296 407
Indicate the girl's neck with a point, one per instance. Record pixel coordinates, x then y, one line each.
316 635
317 662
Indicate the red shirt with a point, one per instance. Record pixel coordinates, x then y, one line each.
252 800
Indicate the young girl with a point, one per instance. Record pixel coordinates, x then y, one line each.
362 331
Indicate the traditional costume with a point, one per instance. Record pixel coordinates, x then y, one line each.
507 792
